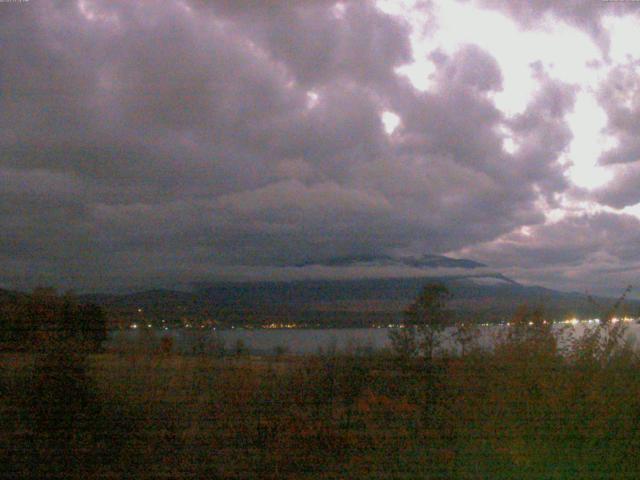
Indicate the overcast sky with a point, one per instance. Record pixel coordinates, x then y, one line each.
150 142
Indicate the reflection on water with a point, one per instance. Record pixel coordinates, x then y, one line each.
269 341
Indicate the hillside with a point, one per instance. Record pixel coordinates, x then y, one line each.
359 302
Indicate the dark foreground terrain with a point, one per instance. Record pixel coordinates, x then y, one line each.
525 410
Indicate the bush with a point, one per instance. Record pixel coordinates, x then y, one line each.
32 322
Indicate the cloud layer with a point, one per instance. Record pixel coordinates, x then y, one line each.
182 140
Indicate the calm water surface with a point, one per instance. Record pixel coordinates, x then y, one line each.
265 341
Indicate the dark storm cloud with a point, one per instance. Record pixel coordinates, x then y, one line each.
620 98
144 140
622 191
320 41
543 135
595 251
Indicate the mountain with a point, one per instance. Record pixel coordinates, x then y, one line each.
477 294
354 302
424 261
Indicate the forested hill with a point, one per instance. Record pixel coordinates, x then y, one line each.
482 297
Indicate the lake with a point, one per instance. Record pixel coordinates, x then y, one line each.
268 341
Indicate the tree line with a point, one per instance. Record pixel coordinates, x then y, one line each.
37 321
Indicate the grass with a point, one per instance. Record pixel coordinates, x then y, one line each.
523 410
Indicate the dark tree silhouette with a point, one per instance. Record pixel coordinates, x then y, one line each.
425 319
38 320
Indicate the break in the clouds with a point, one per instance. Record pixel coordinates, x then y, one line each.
586 15
179 140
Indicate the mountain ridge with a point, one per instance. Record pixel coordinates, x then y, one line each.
344 299
423 261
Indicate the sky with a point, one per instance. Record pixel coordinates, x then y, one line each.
158 142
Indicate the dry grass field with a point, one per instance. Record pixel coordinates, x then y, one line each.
524 410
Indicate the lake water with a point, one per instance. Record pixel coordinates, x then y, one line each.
268 341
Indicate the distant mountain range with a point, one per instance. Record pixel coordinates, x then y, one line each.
477 294
359 302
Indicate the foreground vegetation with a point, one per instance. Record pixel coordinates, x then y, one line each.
524 410
531 407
